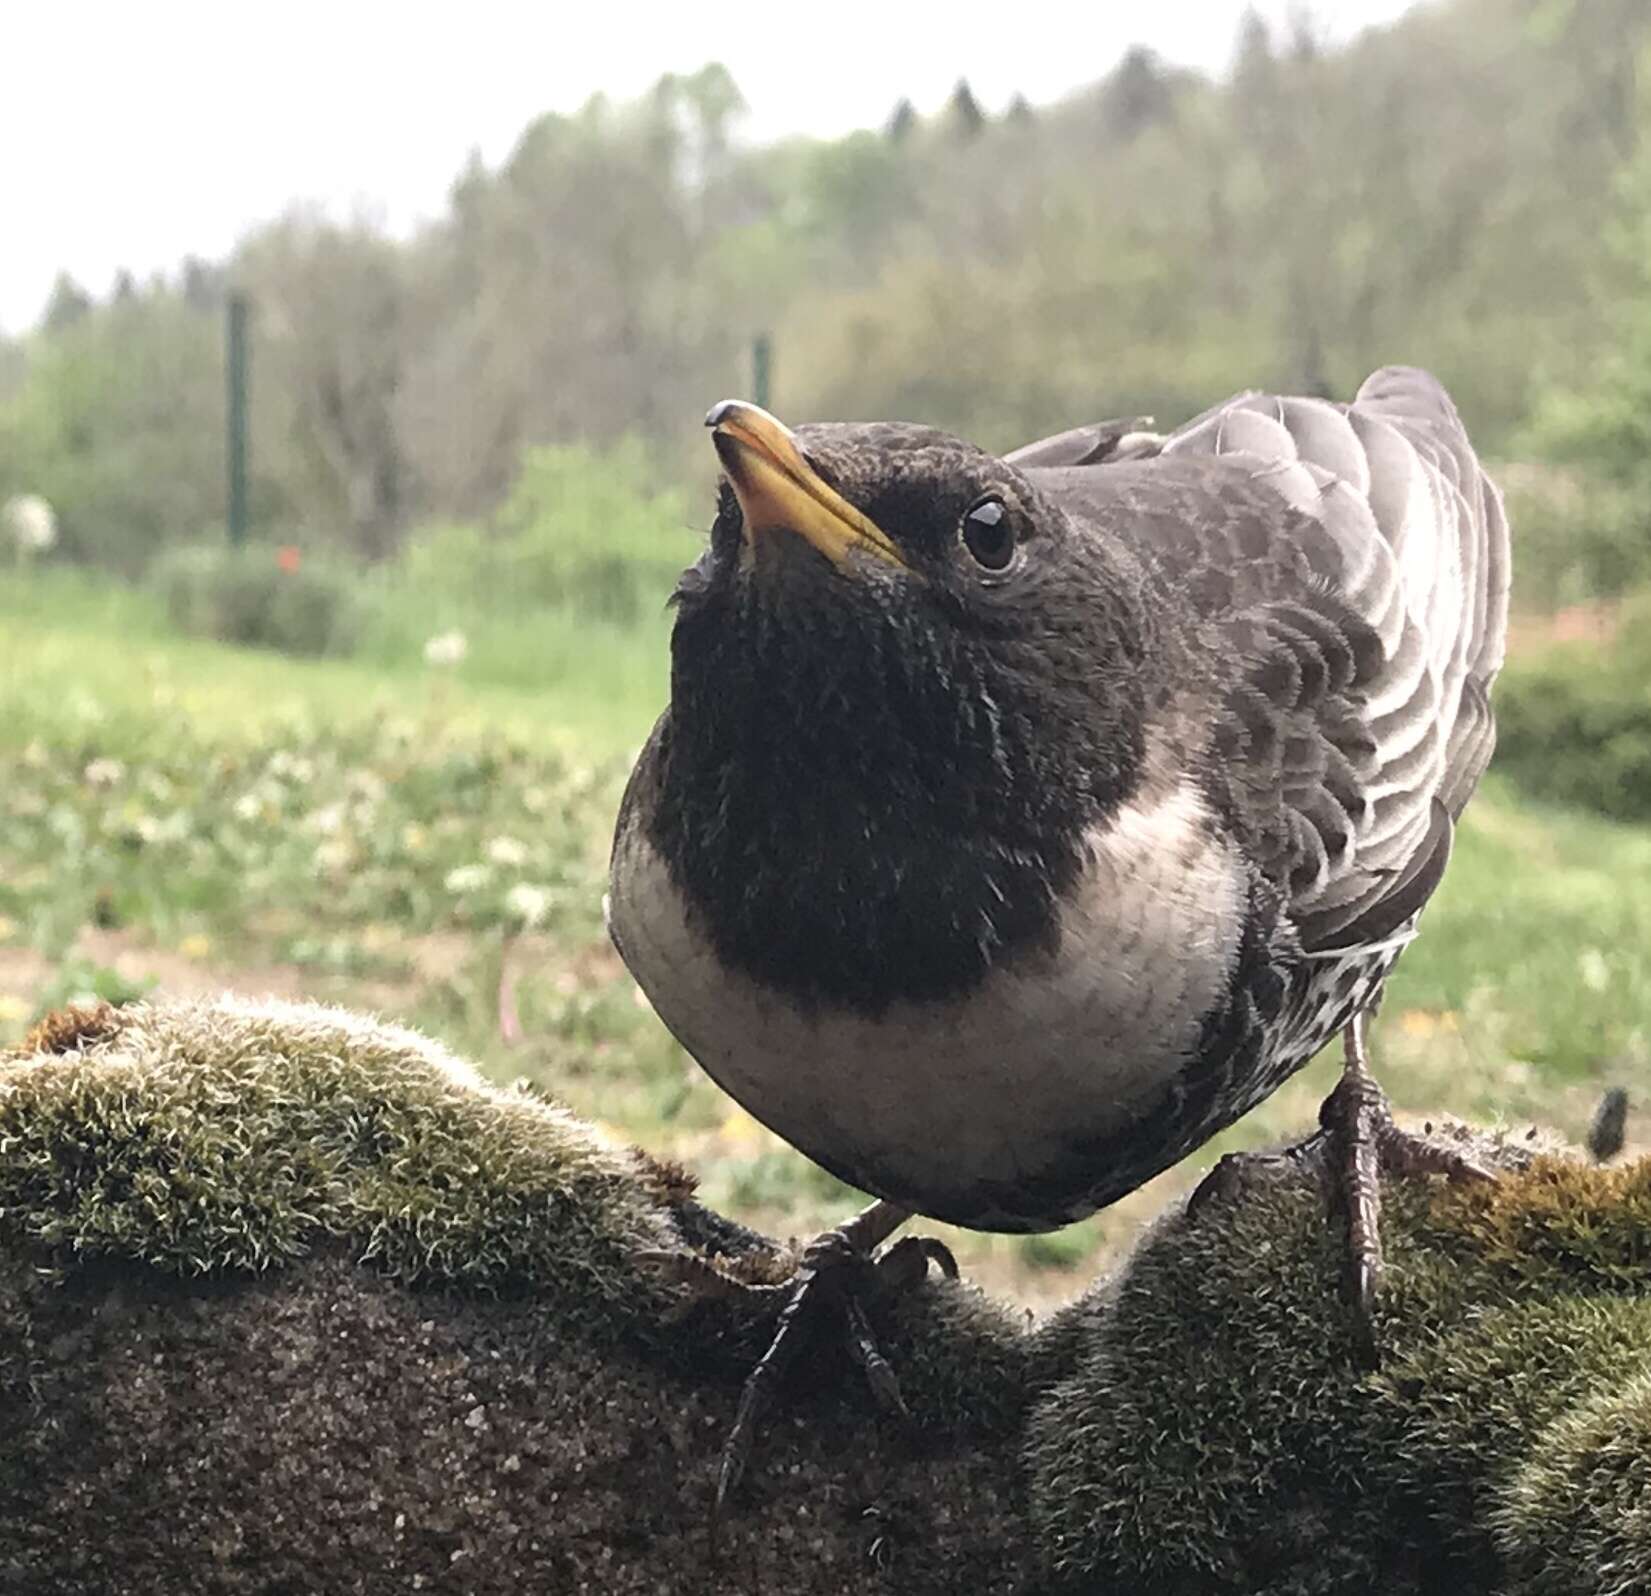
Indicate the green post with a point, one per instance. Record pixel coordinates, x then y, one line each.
235 371
762 362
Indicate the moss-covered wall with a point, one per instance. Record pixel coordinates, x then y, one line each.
292 1302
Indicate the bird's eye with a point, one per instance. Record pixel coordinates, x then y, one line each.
989 535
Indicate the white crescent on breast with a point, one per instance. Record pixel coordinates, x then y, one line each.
925 1102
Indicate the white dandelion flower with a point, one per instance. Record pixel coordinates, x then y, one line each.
334 856
30 523
367 786
290 767
528 903
328 820
446 649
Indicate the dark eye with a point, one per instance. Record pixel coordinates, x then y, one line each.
989 536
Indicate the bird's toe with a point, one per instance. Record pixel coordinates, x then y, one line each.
838 1276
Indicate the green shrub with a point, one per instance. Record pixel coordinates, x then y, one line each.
580 532
117 420
1577 537
1574 722
568 583
260 596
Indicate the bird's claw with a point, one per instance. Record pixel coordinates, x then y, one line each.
705 1279
879 1373
1358 1141
834 1274
1368 1141
906 1263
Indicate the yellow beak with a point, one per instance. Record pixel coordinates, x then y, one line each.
779 491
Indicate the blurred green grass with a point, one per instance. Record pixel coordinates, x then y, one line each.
80 650
431 844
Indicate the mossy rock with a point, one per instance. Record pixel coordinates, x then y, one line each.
293 1301
1213 1431
290 1300
1575 1519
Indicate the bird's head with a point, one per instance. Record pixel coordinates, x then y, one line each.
903 682
902 519
956 516
846 545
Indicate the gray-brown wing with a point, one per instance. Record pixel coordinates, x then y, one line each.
1353 561
1098 443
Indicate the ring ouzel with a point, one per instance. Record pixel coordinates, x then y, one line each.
1016 824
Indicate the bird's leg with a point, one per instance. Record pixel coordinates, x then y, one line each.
1358 1141
1366 1140
1354 1114
837 1270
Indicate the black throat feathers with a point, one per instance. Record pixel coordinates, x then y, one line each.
866 799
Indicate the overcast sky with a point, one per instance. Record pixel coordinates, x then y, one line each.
134 134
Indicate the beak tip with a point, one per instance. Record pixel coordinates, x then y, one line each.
719 412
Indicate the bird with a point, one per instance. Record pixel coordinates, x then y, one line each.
1017 823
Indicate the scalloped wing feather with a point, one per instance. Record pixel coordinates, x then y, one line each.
1360 600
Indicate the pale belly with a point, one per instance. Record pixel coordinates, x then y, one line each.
935 1106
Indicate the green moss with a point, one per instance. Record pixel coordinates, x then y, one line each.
1200 1441
222 1217
231 1137
1215 1432
1563 1226
1462 1408
1575 1519
301 1293
234 1136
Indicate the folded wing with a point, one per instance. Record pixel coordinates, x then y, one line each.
1350 565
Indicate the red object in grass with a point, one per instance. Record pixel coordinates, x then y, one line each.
288 558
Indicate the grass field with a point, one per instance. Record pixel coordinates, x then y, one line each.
181 817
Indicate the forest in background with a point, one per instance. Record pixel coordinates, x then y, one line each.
1469 188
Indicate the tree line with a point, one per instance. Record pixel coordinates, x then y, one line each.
1465 188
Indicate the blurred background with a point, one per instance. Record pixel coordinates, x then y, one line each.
351 376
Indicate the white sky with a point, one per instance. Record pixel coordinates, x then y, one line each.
134 134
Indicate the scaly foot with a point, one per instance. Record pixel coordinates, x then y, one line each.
1367 1140
1357 1142
838 1271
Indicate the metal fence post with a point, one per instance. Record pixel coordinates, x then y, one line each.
235 373
762 362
